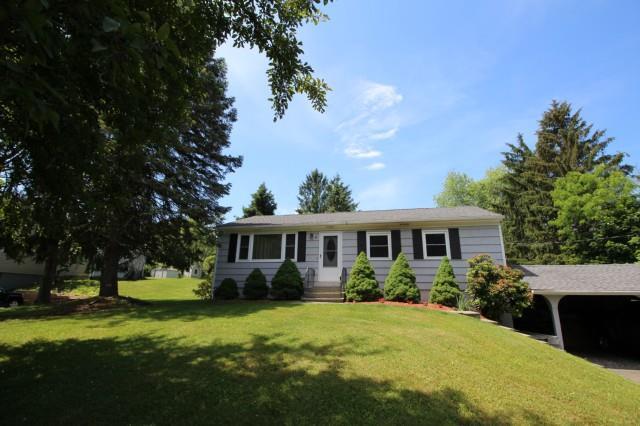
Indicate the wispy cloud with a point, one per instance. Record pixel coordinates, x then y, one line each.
376 166
356 152
374 119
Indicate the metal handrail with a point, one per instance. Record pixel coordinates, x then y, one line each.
309 277
343 279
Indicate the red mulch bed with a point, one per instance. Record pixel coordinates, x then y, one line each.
433 306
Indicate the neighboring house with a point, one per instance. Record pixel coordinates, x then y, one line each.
195 271
129 269
584 307
21 274
322 245
165 273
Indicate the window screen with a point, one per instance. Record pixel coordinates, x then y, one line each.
244 247
290 247
436 245
378 246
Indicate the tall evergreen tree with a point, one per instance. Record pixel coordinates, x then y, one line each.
263 203
312 194
339 197
565 143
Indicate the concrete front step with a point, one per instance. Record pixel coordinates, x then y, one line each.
322 299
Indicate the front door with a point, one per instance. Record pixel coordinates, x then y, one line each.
330 259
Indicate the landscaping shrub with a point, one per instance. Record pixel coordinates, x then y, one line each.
255 286
203 290
400 284
497 289
227 290
362 285
287 282
445 289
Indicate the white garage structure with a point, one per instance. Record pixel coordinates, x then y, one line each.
556 282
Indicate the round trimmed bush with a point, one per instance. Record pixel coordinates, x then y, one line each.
445 289
400 284
255 286
287 282
362 285
227 290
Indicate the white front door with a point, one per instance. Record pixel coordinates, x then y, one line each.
330 258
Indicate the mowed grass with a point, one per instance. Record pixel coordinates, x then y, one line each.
183 361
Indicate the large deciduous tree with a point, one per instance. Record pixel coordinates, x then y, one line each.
459 189
565 143
95 105
263 203
598 218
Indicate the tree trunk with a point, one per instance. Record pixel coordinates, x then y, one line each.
49 275
109 273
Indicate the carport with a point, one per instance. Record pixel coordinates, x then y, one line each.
582 307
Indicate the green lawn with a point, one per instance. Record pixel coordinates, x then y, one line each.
181 361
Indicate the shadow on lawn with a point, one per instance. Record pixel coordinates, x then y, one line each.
185 310
152 380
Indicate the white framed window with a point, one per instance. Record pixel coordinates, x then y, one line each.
379 245
267 247
436 243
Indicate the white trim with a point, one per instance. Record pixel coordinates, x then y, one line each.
378 233
504 256
283 247
446 242
321 268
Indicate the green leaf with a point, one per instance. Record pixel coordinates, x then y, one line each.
163 31
110 24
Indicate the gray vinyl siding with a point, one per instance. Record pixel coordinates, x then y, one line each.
239 270
474 240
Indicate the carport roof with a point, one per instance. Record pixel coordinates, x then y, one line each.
583 279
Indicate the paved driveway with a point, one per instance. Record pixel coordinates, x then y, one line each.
625 366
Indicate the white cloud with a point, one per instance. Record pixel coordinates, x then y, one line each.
376 166
376 96
388 134
374 118
361 152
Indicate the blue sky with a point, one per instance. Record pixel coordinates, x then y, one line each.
422 87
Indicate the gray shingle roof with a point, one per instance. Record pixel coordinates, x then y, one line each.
622 278
369 217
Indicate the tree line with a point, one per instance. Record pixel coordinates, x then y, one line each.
114 122
316 194
565 200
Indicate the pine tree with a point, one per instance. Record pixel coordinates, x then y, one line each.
565 143
339 197
312 194
445 289
287 283
362 285
263 203
400 284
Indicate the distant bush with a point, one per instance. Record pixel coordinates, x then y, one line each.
255 286
287 282
227 290
84 287
203 290
400 284
497 289
445 289
362 285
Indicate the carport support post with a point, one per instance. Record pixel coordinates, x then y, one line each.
554 301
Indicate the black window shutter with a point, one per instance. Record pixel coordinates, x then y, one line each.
302 246
233 242
362 241
454 243
396 245
417 243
